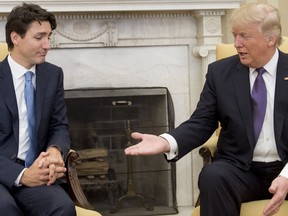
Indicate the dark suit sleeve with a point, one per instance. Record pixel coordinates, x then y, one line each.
202 123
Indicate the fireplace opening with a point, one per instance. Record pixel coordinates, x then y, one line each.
101 122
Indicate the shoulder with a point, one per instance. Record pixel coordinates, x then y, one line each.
49 68
225 66
283 56
225 69
48 65
231 61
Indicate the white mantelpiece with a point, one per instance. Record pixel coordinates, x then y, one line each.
135 43
124 5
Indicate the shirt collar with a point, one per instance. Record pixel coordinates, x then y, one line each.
17 69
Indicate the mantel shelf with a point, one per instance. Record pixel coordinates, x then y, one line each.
127 5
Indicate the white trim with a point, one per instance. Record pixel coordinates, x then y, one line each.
128 5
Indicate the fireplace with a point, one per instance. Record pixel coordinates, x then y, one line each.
111 44
102 120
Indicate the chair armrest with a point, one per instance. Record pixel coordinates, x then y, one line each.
76 191
208 150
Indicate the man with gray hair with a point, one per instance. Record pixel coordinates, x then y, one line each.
247 94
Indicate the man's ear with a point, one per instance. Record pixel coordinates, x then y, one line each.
271 40
15 38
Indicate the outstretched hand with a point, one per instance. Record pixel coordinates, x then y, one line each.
149 145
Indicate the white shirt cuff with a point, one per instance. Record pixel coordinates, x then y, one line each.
173 146
284 171
17 182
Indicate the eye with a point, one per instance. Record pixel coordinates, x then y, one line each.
38 37
246 36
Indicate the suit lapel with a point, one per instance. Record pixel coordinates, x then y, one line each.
242 90
8 94
41 84
281 99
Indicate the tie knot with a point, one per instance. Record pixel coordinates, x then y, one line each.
28 75
260 70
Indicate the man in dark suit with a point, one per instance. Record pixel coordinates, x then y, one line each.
248 165
32 189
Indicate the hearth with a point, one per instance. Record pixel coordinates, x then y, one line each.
101 121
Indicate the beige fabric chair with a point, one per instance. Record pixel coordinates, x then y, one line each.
3 50
83 207
208 149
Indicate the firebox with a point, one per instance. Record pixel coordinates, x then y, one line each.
101 122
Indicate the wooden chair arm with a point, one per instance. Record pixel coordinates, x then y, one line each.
76 191
208 150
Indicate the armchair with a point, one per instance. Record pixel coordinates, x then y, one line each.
82 205
208 149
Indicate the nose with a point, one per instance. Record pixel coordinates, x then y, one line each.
238 41
46 44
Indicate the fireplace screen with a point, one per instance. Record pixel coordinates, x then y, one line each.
101 121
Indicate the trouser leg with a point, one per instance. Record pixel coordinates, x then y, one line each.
222 187
8 206
45 200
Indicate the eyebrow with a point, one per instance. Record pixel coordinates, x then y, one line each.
44 33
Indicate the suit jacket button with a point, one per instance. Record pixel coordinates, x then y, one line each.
13 156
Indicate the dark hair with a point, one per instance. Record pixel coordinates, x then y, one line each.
21 17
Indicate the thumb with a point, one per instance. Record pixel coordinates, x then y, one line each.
272 189
136 135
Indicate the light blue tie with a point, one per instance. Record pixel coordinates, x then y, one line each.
29 94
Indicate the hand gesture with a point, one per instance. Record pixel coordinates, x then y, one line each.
149 145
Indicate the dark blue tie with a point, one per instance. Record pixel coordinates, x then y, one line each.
259 99
29 94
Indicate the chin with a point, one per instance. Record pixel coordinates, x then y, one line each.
245 62
40 60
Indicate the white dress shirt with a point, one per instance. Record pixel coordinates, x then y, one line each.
265 149
18 72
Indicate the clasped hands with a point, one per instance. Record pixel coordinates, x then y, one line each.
46 169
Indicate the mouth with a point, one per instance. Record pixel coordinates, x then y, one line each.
242 54
42 54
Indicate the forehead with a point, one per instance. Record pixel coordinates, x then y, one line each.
39 27
248 28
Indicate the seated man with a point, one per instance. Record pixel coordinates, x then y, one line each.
246 93
34 138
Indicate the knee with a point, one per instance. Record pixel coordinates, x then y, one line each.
212 176
68 207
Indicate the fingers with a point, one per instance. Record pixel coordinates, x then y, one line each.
42 159
272 208
55 172
132 150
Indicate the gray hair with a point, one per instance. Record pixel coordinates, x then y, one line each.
266 15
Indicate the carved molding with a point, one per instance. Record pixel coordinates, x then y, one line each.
212 25
123 15
203 51
82 31
123 5
100 29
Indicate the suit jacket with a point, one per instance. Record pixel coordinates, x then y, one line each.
226 99
52 123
